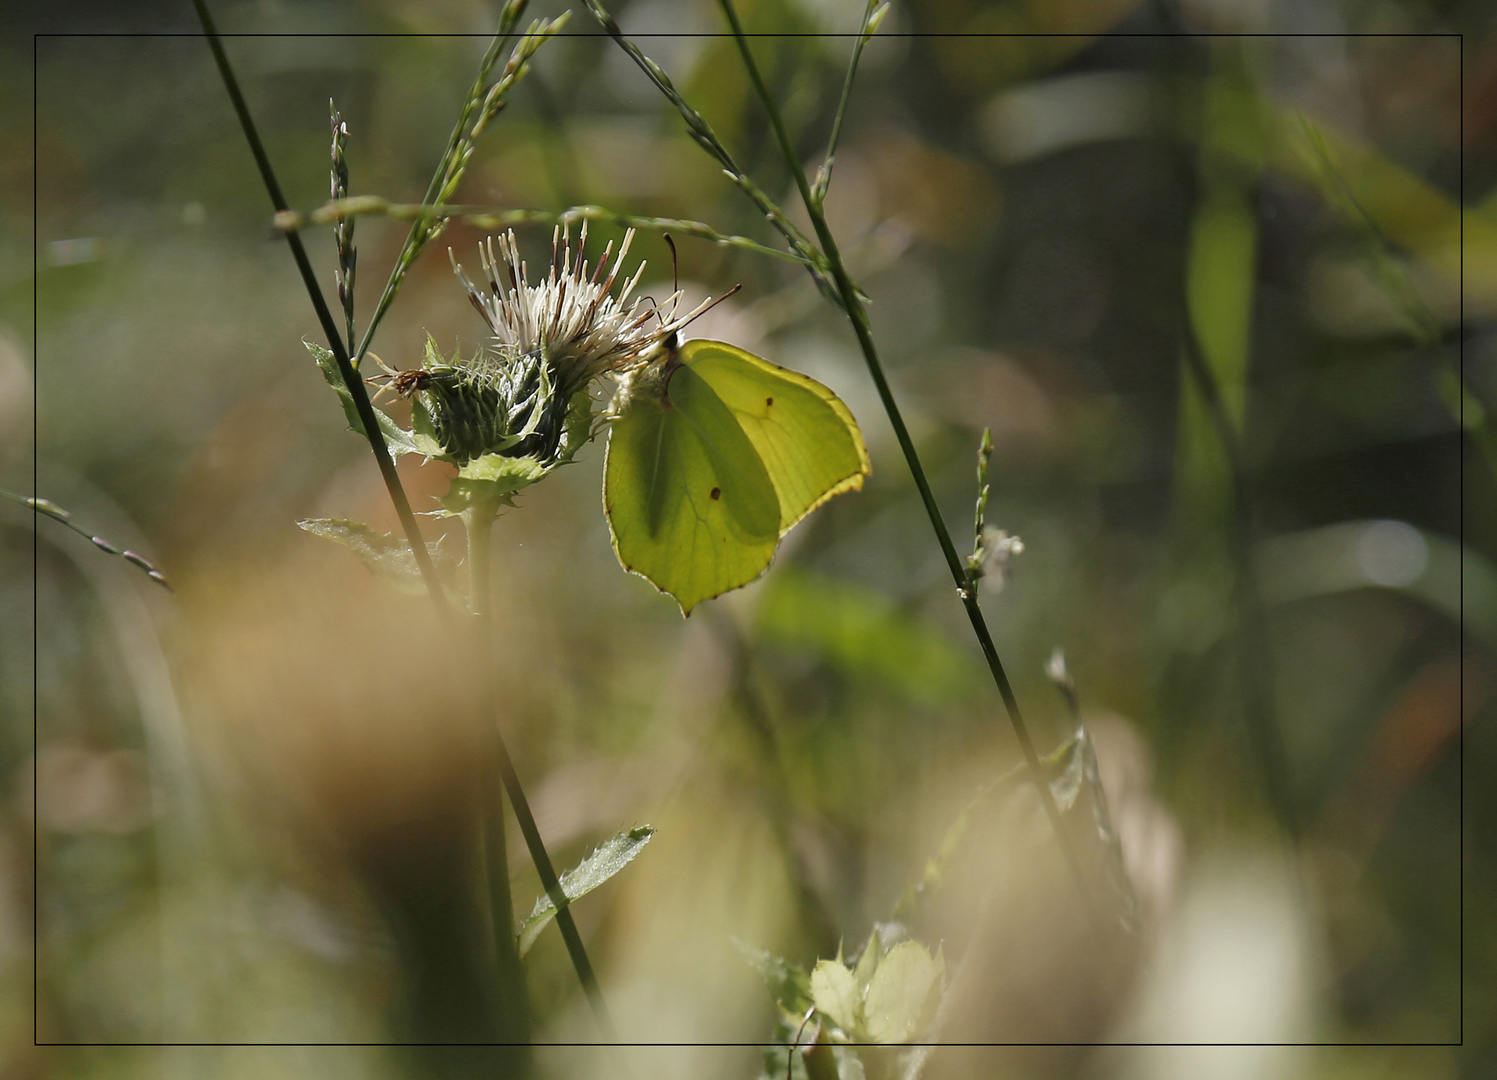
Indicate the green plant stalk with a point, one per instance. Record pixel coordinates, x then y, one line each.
485 217
48 508
858 316
351 379
703 135
824 174
510 777
478 521
494 753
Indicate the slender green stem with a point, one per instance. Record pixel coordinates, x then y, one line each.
480 107
478 521
48 508
872 14
487 217
495 753
351 379
702 133
858 316
552 884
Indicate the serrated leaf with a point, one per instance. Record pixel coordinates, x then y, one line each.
608 859
327 363
835 993
398 439
387 557
788 983
896 1003
493 479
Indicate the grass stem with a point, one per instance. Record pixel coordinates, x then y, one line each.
351 379
496 219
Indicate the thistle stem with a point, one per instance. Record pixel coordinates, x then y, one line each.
858 317
479 520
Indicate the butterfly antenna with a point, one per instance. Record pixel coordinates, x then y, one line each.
708 306
675 269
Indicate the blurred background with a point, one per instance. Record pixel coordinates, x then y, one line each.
247 827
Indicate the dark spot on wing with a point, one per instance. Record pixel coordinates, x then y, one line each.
768 401
717 493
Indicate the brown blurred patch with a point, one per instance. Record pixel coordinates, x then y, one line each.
944 198
1417 729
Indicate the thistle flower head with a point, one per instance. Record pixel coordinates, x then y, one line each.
523 405
571 317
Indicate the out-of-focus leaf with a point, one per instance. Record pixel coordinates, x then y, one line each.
867 963
1451 578
387 557
863 634
610 857
1076 786
896 1005
788 984
836 995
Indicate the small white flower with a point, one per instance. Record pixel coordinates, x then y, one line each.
571 318
999 549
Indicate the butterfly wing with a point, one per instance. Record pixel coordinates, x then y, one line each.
805 436
689 503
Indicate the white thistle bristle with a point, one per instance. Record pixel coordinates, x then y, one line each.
571 317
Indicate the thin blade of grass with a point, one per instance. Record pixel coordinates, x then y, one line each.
495 218
873 14
703 135
48 508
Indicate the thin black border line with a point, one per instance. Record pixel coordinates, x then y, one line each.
36 576
646 35
764 1045
1460 38
1461 451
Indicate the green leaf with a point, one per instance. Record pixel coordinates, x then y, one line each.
788 983
896 1006
387 557
327 363
836 996
610 857
491 479
398 439
865 636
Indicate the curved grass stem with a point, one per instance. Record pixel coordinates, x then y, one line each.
494 218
